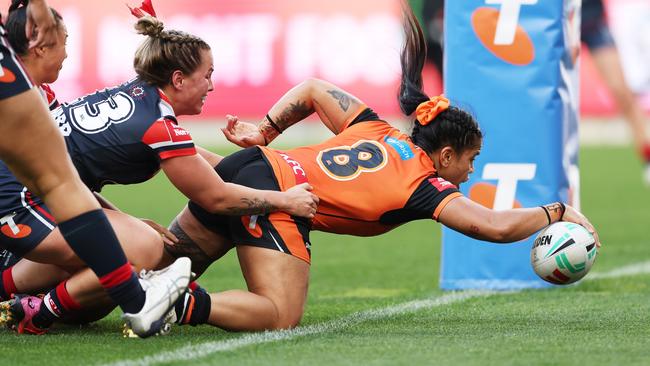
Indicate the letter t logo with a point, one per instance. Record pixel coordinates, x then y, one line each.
508 19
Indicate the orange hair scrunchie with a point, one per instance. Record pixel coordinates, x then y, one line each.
427 111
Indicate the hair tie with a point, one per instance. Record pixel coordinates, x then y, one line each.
146 7
427 111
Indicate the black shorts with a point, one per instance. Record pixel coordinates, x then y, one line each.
24 219
277 231
594 30
13 78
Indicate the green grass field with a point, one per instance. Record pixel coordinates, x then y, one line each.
376 300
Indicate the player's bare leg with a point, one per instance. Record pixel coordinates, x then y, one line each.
277 293
608 63
277 283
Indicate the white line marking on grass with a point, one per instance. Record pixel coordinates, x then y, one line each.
631 270
195 351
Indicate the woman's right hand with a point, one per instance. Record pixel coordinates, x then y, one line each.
573 215
300 201
241 133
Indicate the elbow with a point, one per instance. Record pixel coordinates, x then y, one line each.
501 231
500 234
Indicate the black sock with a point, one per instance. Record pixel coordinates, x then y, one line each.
92 238
128 294
51 310
193 308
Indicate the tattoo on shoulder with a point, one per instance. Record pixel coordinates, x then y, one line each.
252 207
344 99
293 113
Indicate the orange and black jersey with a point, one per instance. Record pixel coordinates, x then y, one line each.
370 178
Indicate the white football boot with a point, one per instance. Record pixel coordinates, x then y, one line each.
162 289
646 174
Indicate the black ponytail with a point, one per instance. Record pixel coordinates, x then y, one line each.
453 127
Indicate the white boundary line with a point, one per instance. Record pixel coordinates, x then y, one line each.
196 351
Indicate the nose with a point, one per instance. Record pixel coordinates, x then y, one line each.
210 85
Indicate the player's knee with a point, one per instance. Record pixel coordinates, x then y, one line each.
287 317
148 251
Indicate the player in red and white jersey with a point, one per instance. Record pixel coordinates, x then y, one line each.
124 135
370 178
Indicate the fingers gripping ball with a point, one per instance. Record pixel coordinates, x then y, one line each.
563 253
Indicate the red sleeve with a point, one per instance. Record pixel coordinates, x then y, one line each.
49 96
168 139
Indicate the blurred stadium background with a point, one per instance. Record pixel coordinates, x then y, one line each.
262 48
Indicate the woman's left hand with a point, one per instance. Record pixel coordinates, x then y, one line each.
243 134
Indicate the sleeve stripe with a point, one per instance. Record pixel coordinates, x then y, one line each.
163 144
444 203
175 147
178 152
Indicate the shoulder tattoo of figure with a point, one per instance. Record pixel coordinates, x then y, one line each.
293 113
344 99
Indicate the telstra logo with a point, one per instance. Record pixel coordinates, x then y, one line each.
499 31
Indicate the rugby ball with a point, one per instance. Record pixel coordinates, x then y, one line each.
563 253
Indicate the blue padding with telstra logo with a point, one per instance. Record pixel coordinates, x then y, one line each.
512 64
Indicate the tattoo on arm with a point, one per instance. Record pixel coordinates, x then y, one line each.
267 131
293 113
253 206
556 209
344 99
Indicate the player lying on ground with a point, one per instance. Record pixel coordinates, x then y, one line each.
125 135
370 178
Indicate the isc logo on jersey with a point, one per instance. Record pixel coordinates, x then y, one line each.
499 31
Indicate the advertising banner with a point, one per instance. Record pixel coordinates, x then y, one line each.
260 48
513 63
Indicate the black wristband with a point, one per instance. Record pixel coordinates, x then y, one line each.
563 210
275 127
548 216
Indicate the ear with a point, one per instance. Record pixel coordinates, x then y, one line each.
177 79
38 51
446 155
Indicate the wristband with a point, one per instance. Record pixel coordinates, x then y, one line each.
548 215
275 126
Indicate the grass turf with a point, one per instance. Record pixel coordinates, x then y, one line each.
599 322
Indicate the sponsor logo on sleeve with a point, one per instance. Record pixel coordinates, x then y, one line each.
441 184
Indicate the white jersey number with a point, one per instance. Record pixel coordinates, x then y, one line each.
99 116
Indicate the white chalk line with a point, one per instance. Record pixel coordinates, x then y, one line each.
196 351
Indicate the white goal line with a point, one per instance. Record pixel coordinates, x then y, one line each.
196 351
